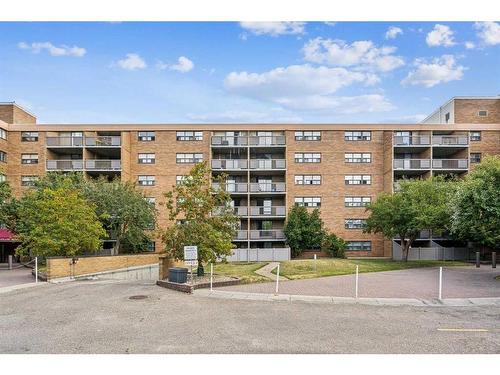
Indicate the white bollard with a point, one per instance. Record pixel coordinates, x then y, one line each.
357 280
211 275
315 268
36 269
10 262
277 278
440 283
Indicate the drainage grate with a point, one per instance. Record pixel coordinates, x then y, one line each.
140 296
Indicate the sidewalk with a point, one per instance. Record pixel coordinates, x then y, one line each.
266 271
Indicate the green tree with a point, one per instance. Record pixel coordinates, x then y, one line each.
418 205
201 216
303 229
57 222
334 246
476 205
7 206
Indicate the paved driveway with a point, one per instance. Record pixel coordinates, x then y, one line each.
15 276
458 282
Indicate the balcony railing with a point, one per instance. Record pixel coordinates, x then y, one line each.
238 211
267 187
272 140
103 141
241 235
276 234
461 164
412 164
218 140
267 163
229 164
232 187
414 140
64 165
64 141
450 140
267 211
103 165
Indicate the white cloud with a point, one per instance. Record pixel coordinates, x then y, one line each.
242 117
303 87
132 61
470 45
392 32
274 28
361 54
489 32
62 50
409 119
441 35
439 70
183 65
331 24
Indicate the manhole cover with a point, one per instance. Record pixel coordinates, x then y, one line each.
140 296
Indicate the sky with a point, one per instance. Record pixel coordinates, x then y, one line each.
267 72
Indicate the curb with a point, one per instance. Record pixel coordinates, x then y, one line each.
11 288
448 302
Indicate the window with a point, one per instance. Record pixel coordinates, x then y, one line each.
358 136
150 200
3 133
308 136
357 201
146 136
475 157
29 158
151 246
482 113
475 136
308 201
28 180
358 179
447 117
359 245
29 137
358 158
354 223
2 177
310 157
189 158
189 136
3 156
146 180
146 158
308 179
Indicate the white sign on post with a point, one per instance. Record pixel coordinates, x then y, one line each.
190 253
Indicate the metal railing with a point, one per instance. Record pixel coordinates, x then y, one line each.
229 164
266 187
412 163
450 140
241 235
238 211
414 140
462 164
274 234
103 141
64 165
218 140
267 163
267 211
103 165
271 140
232 187
64 141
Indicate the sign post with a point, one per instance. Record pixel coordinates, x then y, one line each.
191 258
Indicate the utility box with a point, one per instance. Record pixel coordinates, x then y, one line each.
177 275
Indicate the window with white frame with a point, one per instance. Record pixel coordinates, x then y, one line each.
314 179
308 201
359 245
308 157
482 113
146 180
29 158
354 223
358 179
475 157
147 158
150 200
475 136
3 133
146 136
3 156
189 158
29 136
189 136
358 135
308 135
358 157
28 180
357 201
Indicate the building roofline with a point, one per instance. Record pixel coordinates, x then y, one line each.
496 97
18 106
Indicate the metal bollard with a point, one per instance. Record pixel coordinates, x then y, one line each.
494 259
478 259
10 262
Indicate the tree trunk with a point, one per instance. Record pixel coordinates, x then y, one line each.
405 246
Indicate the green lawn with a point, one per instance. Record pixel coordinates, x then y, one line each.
304 269
245 271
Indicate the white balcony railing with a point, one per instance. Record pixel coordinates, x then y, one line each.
64 141
414 140
229 164
218 140
241 235
267 187
450 140
232 187
460 164
267 211
274 234
401 164
103 165
272 140
64 165
103 141
267 163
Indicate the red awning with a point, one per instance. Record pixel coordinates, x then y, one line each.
6 235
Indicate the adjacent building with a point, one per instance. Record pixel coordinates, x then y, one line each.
339 168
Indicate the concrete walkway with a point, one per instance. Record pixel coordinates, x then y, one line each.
266 271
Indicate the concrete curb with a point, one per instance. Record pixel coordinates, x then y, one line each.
11 288
453 302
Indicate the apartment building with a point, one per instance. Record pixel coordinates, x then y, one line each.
339 168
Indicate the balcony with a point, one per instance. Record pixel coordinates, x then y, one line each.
64 165
268 211
274 140
276 234
414 140
267 187
64 141
103 165
450 140
103 141
230 164
445 164
237 210
268 164
241 235
229 141
232 187
402 164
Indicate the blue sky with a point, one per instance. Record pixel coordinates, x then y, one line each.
245 72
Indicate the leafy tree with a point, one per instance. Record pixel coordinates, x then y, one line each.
418 205
57 222
476 205
334 246
7 206
303 229
191 205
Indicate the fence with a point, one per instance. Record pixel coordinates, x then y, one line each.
431 253
260 255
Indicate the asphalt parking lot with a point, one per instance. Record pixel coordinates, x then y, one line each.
15 276
100 317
